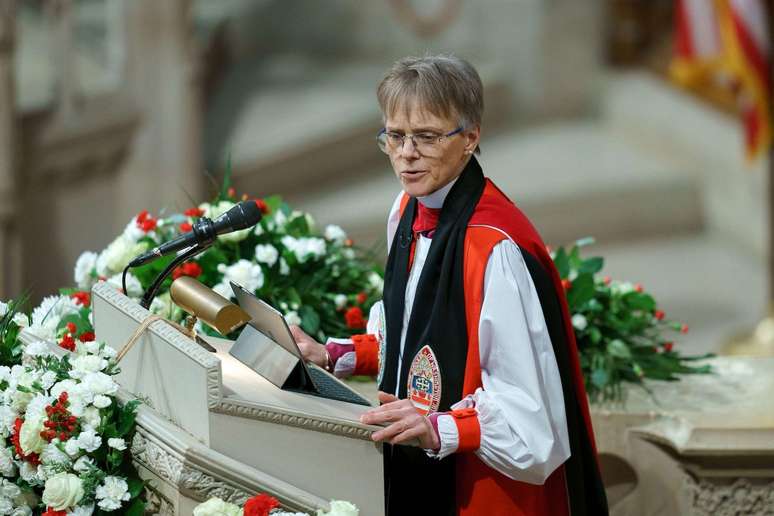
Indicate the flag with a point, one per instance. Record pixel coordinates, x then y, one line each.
726 43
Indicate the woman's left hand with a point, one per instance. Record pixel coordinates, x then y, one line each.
405 423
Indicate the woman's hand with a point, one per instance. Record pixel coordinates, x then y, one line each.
406 423
311 350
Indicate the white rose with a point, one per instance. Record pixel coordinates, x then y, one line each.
84 268
340 508
217 507
117 255
340 300
29 436
7 466
62 491
293 318
117 443
3 308
335 234
579 322
266 253
243 272
112 492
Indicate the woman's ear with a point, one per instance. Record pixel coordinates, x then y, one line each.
472 137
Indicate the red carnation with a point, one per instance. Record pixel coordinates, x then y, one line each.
148 225
67 342
81 298
71 327
362 298
354 318
193 212
142 217
607 280
262 206
185 227
51 512
668 346
231 192
684 328
260 505
87 336
566 284
638 287
659 314
192 269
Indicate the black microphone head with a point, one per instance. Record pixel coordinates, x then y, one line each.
244 215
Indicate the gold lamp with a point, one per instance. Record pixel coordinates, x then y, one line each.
203 303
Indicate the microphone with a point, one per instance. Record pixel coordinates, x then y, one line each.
242 216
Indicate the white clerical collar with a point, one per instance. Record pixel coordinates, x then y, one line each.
435 200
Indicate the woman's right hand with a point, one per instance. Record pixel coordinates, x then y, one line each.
311 350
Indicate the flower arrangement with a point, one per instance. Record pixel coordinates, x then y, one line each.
320 281
621 333
265 505
62 429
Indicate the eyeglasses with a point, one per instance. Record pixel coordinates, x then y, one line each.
425 143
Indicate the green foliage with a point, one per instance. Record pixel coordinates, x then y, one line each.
621 334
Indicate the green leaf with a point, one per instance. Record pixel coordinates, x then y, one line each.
591 265
126 418
135 486
581 292
136 508
226 179
310 319
618 348
639 301
562 262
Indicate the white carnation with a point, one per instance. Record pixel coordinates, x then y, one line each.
284 268
88 440
46 317
81 510
7 419
39 348
3 308
216 210
83 464
91 416
340 508
258 230
52 455
117 443
133 232
99 383
21 320
112 492
28 472
305 248
340 300
7 466
335 234
133 285
6 506
266 253
85 364
280 219
375 281
84 268
9 490
243 272
101 401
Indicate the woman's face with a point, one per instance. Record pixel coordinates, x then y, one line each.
425 170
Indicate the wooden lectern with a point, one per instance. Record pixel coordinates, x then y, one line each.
231 433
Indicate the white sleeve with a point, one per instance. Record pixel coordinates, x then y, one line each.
521 406
393 219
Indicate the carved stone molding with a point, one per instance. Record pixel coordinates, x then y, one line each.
198 484
158 504
740 497
234 408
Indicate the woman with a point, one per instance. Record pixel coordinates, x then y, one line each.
475 356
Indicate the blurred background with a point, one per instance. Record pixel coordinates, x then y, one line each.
109 107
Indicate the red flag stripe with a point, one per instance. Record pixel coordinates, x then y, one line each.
752 53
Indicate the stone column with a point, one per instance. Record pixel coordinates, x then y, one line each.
165 169
9 248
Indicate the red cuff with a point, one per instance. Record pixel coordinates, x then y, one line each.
468 429
366 354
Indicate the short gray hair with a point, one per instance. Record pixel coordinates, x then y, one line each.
444 85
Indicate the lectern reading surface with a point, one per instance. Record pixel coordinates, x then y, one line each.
268 348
